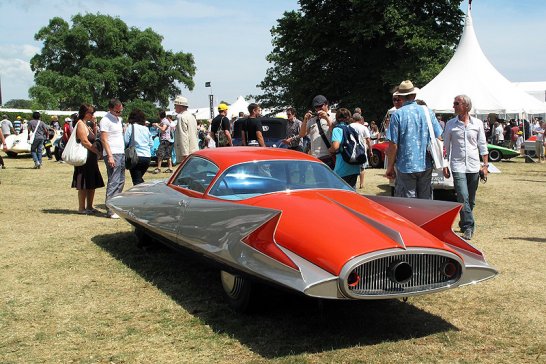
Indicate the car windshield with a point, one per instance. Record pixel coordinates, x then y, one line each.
251 179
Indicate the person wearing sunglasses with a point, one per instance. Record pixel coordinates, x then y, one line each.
111 136
465 142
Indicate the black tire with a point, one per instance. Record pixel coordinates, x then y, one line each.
495 155
375 160
238 291
144 240
12 154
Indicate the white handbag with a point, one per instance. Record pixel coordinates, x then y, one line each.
436 146
74 152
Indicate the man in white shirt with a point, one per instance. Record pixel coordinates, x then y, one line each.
464 140
185 137
111 135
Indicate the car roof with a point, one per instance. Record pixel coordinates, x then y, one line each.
228 156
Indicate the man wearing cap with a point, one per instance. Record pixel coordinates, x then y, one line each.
465 142
185 138
318 126
409 137
113 144
17 125
220 128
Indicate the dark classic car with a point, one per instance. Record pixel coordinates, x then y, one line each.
242 208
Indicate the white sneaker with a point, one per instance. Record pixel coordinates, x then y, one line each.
113 216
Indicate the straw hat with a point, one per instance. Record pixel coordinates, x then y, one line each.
406 88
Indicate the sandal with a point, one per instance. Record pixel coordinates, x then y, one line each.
168 170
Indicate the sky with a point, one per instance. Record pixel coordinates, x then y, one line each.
230 39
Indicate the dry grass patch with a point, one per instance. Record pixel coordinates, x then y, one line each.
76 289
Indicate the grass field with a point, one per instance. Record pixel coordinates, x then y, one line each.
76 289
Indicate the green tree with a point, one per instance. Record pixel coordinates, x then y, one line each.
99 58
18 104
355 51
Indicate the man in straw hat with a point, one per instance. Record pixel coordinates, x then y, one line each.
185 137
409 138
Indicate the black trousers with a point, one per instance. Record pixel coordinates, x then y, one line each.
139 170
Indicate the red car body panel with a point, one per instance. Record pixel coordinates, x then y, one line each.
306 228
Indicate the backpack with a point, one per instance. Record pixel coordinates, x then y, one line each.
221 138
352 149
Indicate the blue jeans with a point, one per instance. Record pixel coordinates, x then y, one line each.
414 185
466 185
116 176
36 149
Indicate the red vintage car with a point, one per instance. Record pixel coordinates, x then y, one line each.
379 152
283 217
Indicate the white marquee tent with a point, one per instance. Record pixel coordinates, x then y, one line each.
469 72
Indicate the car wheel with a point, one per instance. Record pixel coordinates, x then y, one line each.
144 240
11 154
238 291
495 155
375 160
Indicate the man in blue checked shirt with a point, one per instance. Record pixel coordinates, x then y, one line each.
409 138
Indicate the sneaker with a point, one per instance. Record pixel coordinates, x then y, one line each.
113 216
156 171
467 235
168 170
36 166
3 166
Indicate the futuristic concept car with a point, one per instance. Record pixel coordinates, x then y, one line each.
275 215
497 152
18 144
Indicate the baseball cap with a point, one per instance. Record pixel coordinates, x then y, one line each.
319 100
222 107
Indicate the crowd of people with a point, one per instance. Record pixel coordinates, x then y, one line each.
322 133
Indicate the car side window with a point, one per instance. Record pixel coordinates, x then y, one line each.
196 174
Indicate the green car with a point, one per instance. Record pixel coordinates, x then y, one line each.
496 153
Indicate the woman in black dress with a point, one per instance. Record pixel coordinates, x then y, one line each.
87 178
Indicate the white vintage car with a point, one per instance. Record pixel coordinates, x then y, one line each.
442 188
17 144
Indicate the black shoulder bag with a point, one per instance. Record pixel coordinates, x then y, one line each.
131 157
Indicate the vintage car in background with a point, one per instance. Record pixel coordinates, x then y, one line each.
274 131
530 146
243 208
379 152
497 153
18 144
